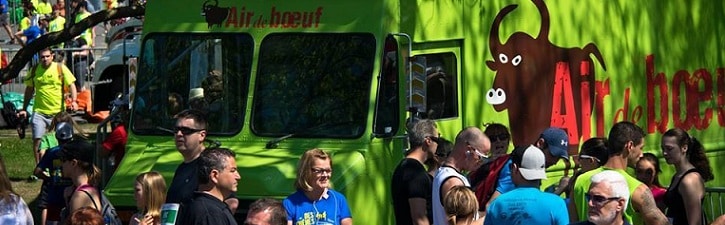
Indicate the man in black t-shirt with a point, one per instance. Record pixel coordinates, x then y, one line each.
190 132
218 178
411 185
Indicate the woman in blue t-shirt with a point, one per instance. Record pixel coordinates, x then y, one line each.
314 202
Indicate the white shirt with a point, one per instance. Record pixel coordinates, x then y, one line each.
443 173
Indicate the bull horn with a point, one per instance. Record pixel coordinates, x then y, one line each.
206 3
544 12
494 40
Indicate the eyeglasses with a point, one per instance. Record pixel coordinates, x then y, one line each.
320 171
499 137
599 200
478 153
186 130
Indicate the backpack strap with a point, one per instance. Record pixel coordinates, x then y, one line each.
91 197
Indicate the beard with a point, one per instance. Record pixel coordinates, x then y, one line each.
606 218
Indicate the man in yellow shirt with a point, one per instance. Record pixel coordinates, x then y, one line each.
47 81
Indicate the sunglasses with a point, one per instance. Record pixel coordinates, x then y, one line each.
499 137
580 157
478 153
186 130
599 200
435 139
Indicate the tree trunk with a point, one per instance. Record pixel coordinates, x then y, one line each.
25 54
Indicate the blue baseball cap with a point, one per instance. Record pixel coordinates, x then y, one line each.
557 140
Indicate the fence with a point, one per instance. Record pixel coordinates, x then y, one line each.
77 64
713 204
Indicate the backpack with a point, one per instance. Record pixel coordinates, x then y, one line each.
485 179
110 217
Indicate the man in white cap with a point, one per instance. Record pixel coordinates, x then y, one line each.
553 142
527 204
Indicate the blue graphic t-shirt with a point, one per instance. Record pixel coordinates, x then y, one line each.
57 183
326 211
527 205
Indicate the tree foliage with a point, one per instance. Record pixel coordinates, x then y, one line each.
50 39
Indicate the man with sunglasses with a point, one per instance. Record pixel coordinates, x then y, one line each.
470 150
527 204
411 185
189 135
47 82
607 199
625 144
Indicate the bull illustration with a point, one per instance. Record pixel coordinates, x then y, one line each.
214 14
525 76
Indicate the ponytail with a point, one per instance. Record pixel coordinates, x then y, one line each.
696 156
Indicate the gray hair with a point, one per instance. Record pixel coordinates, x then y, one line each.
616 183
420 130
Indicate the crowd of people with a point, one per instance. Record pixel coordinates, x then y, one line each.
478 183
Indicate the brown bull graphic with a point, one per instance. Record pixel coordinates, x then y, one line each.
538 82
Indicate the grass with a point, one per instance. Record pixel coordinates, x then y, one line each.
20 162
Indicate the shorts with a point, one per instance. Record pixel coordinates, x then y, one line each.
40 124
4 19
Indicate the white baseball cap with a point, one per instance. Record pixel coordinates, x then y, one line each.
531 162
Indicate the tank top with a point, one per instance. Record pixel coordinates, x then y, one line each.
444 173
676 205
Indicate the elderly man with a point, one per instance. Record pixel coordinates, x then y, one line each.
470 150
625 143
607 198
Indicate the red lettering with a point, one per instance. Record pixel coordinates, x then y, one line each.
653 81
274 18
677 88
702 121
721 96
601 91
232 18
563 114
624 111
586 101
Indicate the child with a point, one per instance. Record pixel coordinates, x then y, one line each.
49 169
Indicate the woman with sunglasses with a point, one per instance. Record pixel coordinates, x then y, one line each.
685 195
648 170
314 202
77 164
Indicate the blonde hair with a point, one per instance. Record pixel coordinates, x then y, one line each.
304 167
460 203
6 187
154 194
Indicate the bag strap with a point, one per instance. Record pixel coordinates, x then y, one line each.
62 87
91 197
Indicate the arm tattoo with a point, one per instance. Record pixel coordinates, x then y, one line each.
649 211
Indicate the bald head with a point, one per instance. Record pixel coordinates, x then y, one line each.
474 137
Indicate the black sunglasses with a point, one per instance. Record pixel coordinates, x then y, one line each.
499 137
186 130
436 139
598 199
